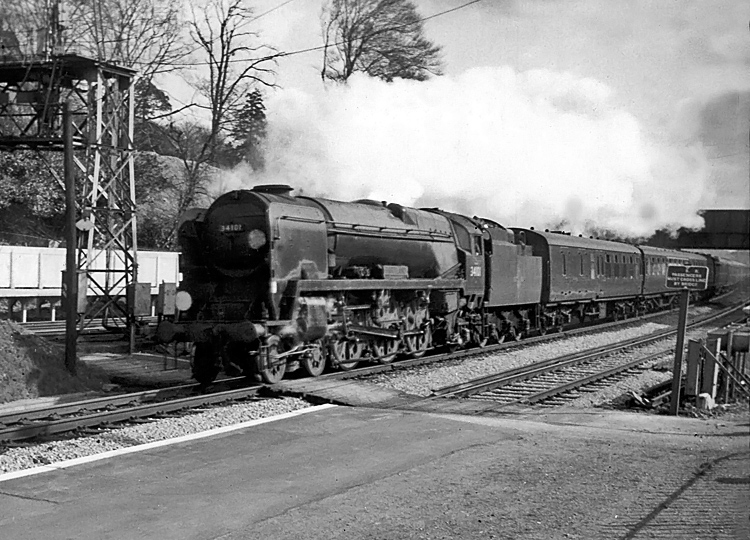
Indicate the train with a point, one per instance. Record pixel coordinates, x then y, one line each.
273 283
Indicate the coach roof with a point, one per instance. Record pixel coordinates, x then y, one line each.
579 242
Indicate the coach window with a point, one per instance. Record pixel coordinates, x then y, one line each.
581 254
608 266
564 265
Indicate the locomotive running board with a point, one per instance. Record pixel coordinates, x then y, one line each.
321 285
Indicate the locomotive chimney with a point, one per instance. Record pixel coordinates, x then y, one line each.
274 189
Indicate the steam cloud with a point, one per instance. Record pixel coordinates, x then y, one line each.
525 149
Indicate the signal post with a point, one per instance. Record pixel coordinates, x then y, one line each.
685 278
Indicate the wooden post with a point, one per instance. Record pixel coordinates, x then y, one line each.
71 241
674 405
710 375
728 387
694 362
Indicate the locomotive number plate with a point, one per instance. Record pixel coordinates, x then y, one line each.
475 271
231 227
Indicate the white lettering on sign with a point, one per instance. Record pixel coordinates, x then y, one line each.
475 271
687 277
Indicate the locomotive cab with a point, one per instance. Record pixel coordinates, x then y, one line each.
469 236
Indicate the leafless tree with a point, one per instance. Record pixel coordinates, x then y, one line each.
235 60
25 25
141 34
383 38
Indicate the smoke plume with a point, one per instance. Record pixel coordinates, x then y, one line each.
525 149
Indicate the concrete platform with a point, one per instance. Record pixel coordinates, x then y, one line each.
351 473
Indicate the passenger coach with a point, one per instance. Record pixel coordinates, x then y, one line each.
584 277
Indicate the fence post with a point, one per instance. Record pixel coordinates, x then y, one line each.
710 375
694 364
728 386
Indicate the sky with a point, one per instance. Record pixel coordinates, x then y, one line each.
629 115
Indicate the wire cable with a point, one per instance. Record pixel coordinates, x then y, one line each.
283 54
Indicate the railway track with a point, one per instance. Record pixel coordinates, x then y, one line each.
26 424
450 356
29 423
547 381
47 421
438 357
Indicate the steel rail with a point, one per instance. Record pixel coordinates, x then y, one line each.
490 382
44 420
90 419
72 407
572 385
505 378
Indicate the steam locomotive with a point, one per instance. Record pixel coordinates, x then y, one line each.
273 283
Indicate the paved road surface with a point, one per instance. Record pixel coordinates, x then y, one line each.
364 473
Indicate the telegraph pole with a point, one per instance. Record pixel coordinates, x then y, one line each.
71 245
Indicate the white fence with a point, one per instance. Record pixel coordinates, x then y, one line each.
32 272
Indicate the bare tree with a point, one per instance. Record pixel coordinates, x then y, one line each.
383 38
140 34
235 61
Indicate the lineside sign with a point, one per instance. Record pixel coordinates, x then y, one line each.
694 278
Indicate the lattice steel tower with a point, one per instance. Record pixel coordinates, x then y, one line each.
34 90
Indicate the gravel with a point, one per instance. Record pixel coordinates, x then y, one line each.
654 374
25 456
423 380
